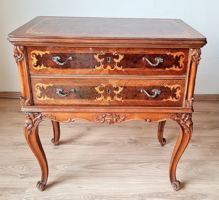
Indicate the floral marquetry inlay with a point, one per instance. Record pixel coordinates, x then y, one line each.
107 90
34 62
181 55
108 72
108 67
177 93
38 91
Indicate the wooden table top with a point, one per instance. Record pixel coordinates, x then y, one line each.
107 29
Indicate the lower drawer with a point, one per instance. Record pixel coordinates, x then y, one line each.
90 91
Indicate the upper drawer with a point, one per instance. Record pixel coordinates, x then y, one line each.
58 60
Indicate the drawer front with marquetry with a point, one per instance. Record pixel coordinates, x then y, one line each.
118 61
81 91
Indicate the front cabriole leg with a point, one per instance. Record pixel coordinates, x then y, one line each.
186 128
31 123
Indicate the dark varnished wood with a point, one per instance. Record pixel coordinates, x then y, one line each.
96 31
92 41
56 132
172 92
186 128
84 62
90 108
31 123
195 58
24 77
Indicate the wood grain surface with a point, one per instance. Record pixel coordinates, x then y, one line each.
117 162
85 61
86 92
38 91
96 31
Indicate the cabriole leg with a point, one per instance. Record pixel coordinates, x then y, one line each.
186 128
56 132
160 133
31 123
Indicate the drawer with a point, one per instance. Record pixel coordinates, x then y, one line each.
129 61
89 91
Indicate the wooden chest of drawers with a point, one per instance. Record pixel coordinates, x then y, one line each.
106 71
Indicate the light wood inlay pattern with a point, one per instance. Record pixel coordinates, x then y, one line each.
108 71
90 91
123 61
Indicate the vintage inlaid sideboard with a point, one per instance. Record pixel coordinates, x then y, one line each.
106 70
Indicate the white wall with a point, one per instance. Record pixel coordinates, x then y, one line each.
203 15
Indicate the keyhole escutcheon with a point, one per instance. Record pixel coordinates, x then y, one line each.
108 91
108 59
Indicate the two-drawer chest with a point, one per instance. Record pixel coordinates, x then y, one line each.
106 70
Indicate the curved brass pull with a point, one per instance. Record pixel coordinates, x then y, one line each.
158 59
56 59
155 91
59 92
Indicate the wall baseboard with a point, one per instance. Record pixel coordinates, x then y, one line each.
198 97
10 95
206 97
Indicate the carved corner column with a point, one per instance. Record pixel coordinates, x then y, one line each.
195 58
31 123
21 60
186 128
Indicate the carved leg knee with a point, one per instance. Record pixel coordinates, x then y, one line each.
185 123
31 123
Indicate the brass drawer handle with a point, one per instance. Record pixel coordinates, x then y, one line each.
59 92
56 59
158 59
155 91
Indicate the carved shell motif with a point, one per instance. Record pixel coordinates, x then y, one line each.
109 118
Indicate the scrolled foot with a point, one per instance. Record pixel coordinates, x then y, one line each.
176 185
52 140
40 186
163 142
